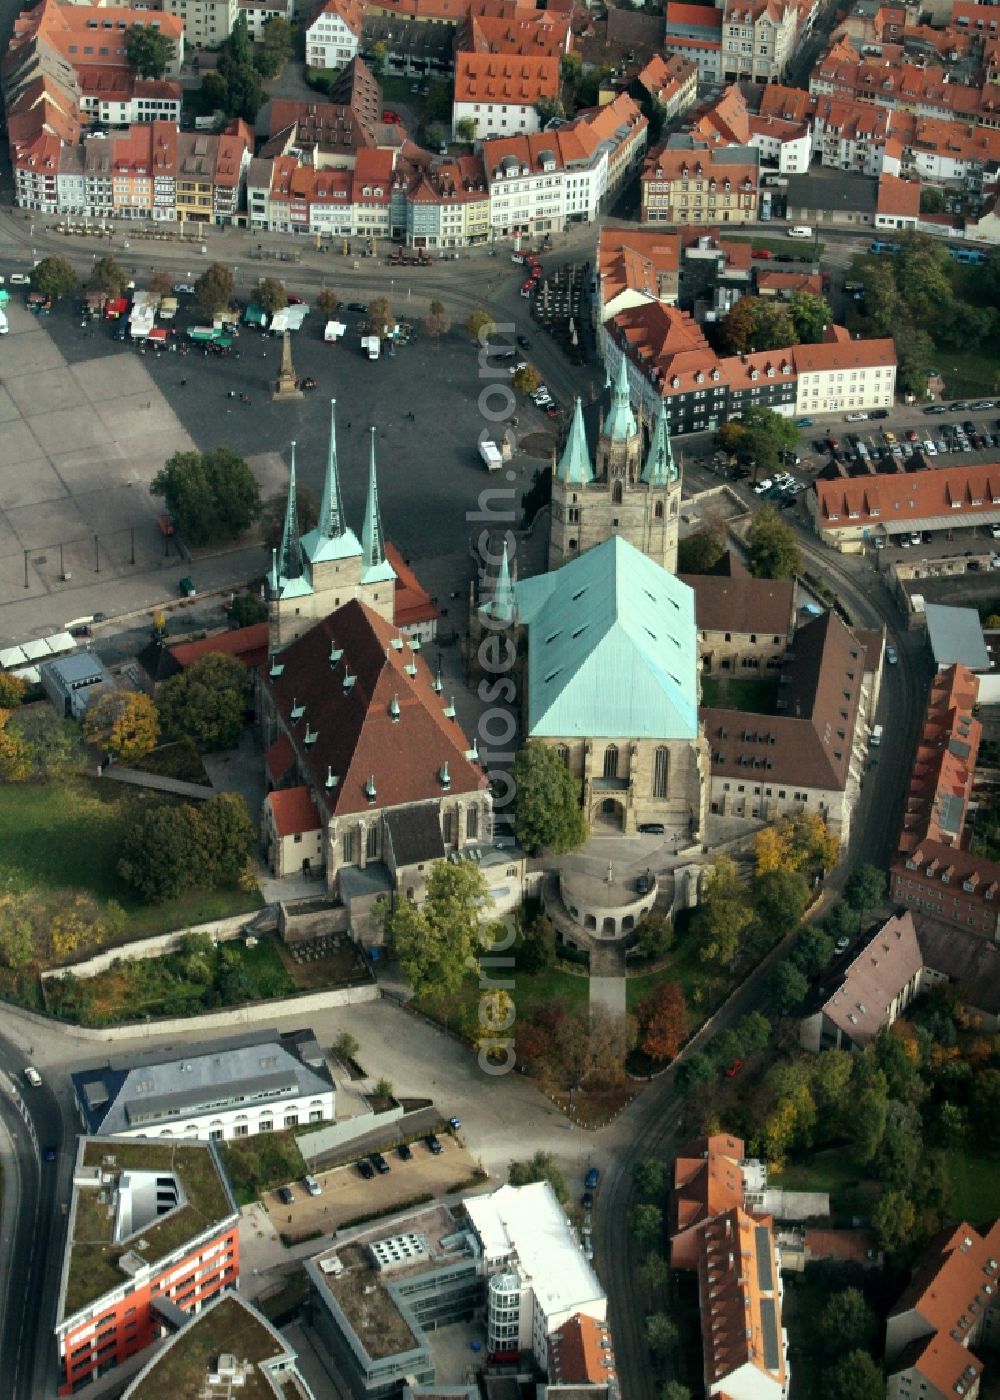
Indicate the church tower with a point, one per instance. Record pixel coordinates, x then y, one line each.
313 576
619 494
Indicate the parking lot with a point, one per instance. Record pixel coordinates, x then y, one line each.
88 420
345 1194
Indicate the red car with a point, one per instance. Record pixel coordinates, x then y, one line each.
912 435
293 300
393 118
762 253
731 1071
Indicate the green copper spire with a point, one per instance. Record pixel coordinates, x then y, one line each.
660 466
574 465
375 568
331 539
620 423
503 593
290 552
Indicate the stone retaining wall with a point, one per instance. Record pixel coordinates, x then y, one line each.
323 1140
222 930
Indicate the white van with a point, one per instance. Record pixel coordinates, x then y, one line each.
4 328
33 1077
800 231
876 738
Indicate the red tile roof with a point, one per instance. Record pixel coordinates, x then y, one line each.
944 765
898 198
840 352
958 492
354 737
247 644
692 16
768 281
293 811
486 77
580 1353
707 1182
413 602
279 758
737 1272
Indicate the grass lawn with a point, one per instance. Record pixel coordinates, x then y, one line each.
261 1163
754 696
976 1186
969 374
461 1012
829 1170
398 90
67 835
703 988
178 760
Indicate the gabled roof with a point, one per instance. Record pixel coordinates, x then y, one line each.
512 81
708 1180
943 768
740 1293
337 685
580 1353
876 976
611 648
293 811
723 603
898 198
955 492
247 644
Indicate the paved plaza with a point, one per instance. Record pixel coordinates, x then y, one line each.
87 422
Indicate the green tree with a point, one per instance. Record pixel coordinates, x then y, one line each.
766 435
779 899
865 889
108 276
541 1167
379 56
696 1072
570 67
649 1177
214 290
758 323
434 135
49 741
527 380
536 948
271 295
480 326
661 1334
247 609
213 94
436 944
724 915
646 1224
810 315
226 838
272 515
547 814
549 109
275 47
381 316
673 1390
847 1321
753 1032
653 1275
697 553
160 851
931 201
774 552
867 1125
12 690
436 323
789 985
345 1047
893 1217
813 951
123 723
17 932
840 921
984 1103
465 129
53 277
327 301
211 496
206 701
854 1377
656 935
149 52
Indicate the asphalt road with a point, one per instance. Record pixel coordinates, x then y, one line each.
27 1354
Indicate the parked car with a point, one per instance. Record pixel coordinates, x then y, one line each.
361 307
454 1124
731 1071
379 1163
286 1195
593 1179
50 1154
856 418
763 253
879 413
524 342
33 1077
433 1145
803 422
842 944
644 883
930 448
763 486
366 1169
587 1200
183 289
654 828
892 656
912 435
312 1185
404 1152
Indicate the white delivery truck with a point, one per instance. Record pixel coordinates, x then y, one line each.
141 321
491 455
334 330
800 231
371 344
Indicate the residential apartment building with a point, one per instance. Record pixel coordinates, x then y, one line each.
847 511
694 32
256 1083
92 34
634 267
671 82
811 754
116 97
947 1313
943 771
758 39
786 145
843 374
740 1295
206 22
869 994
332 36
950 885
152 1228
498 93
712 1177
685 182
